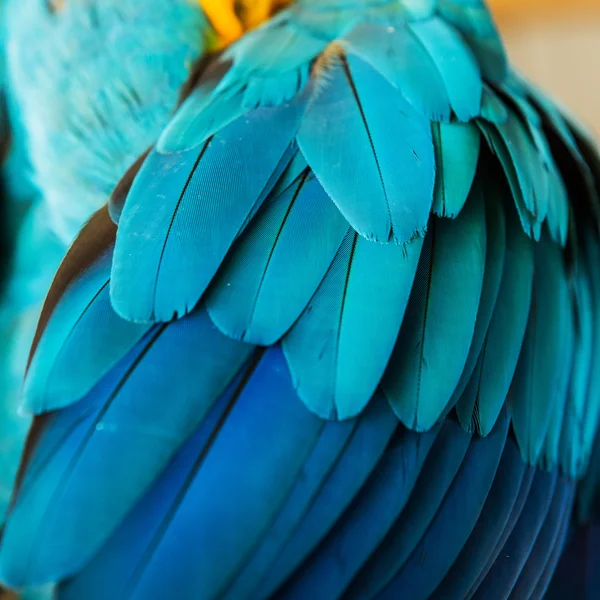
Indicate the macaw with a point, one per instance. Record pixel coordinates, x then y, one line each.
336 334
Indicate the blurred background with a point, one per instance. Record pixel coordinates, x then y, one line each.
556 43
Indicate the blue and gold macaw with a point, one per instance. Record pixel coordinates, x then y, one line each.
335 335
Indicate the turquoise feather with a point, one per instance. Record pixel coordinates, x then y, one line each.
494 266
251 298
162 266
371 152
497 361
360 304
538 381
457 66
457 154
431 351
417 79
51 381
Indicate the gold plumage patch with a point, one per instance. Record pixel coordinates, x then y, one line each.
232 18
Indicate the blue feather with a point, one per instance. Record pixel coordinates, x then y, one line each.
270 276
491 523
371 151
441 466
356 536
497 361
454 520
363 455
360 304
457 153
432 348
538 384
78 490
515 513
257 450
456 64
503 575
558 513
163 264
401 58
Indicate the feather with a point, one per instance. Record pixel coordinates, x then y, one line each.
515 513
83 329
432 348
441 465
398 55
78 490
363 455
331 568
454 520
456 65
494 266
457 153
256 451
540 553
497 361
162 263
489 527
571 450
360 304
474 21
272 273
535 391
503 575
372 153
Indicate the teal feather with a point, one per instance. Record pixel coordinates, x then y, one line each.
457 66
432 349
492 108
494 266
536 387
270 276
371 152
474 21
360 304
162 266
491 379
51 381
457 153
401 58
572 459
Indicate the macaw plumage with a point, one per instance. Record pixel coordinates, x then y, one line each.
335 335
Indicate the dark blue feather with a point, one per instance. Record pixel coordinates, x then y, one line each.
499 582
540 554
492 521
454 520
441 466
331 568
361 457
